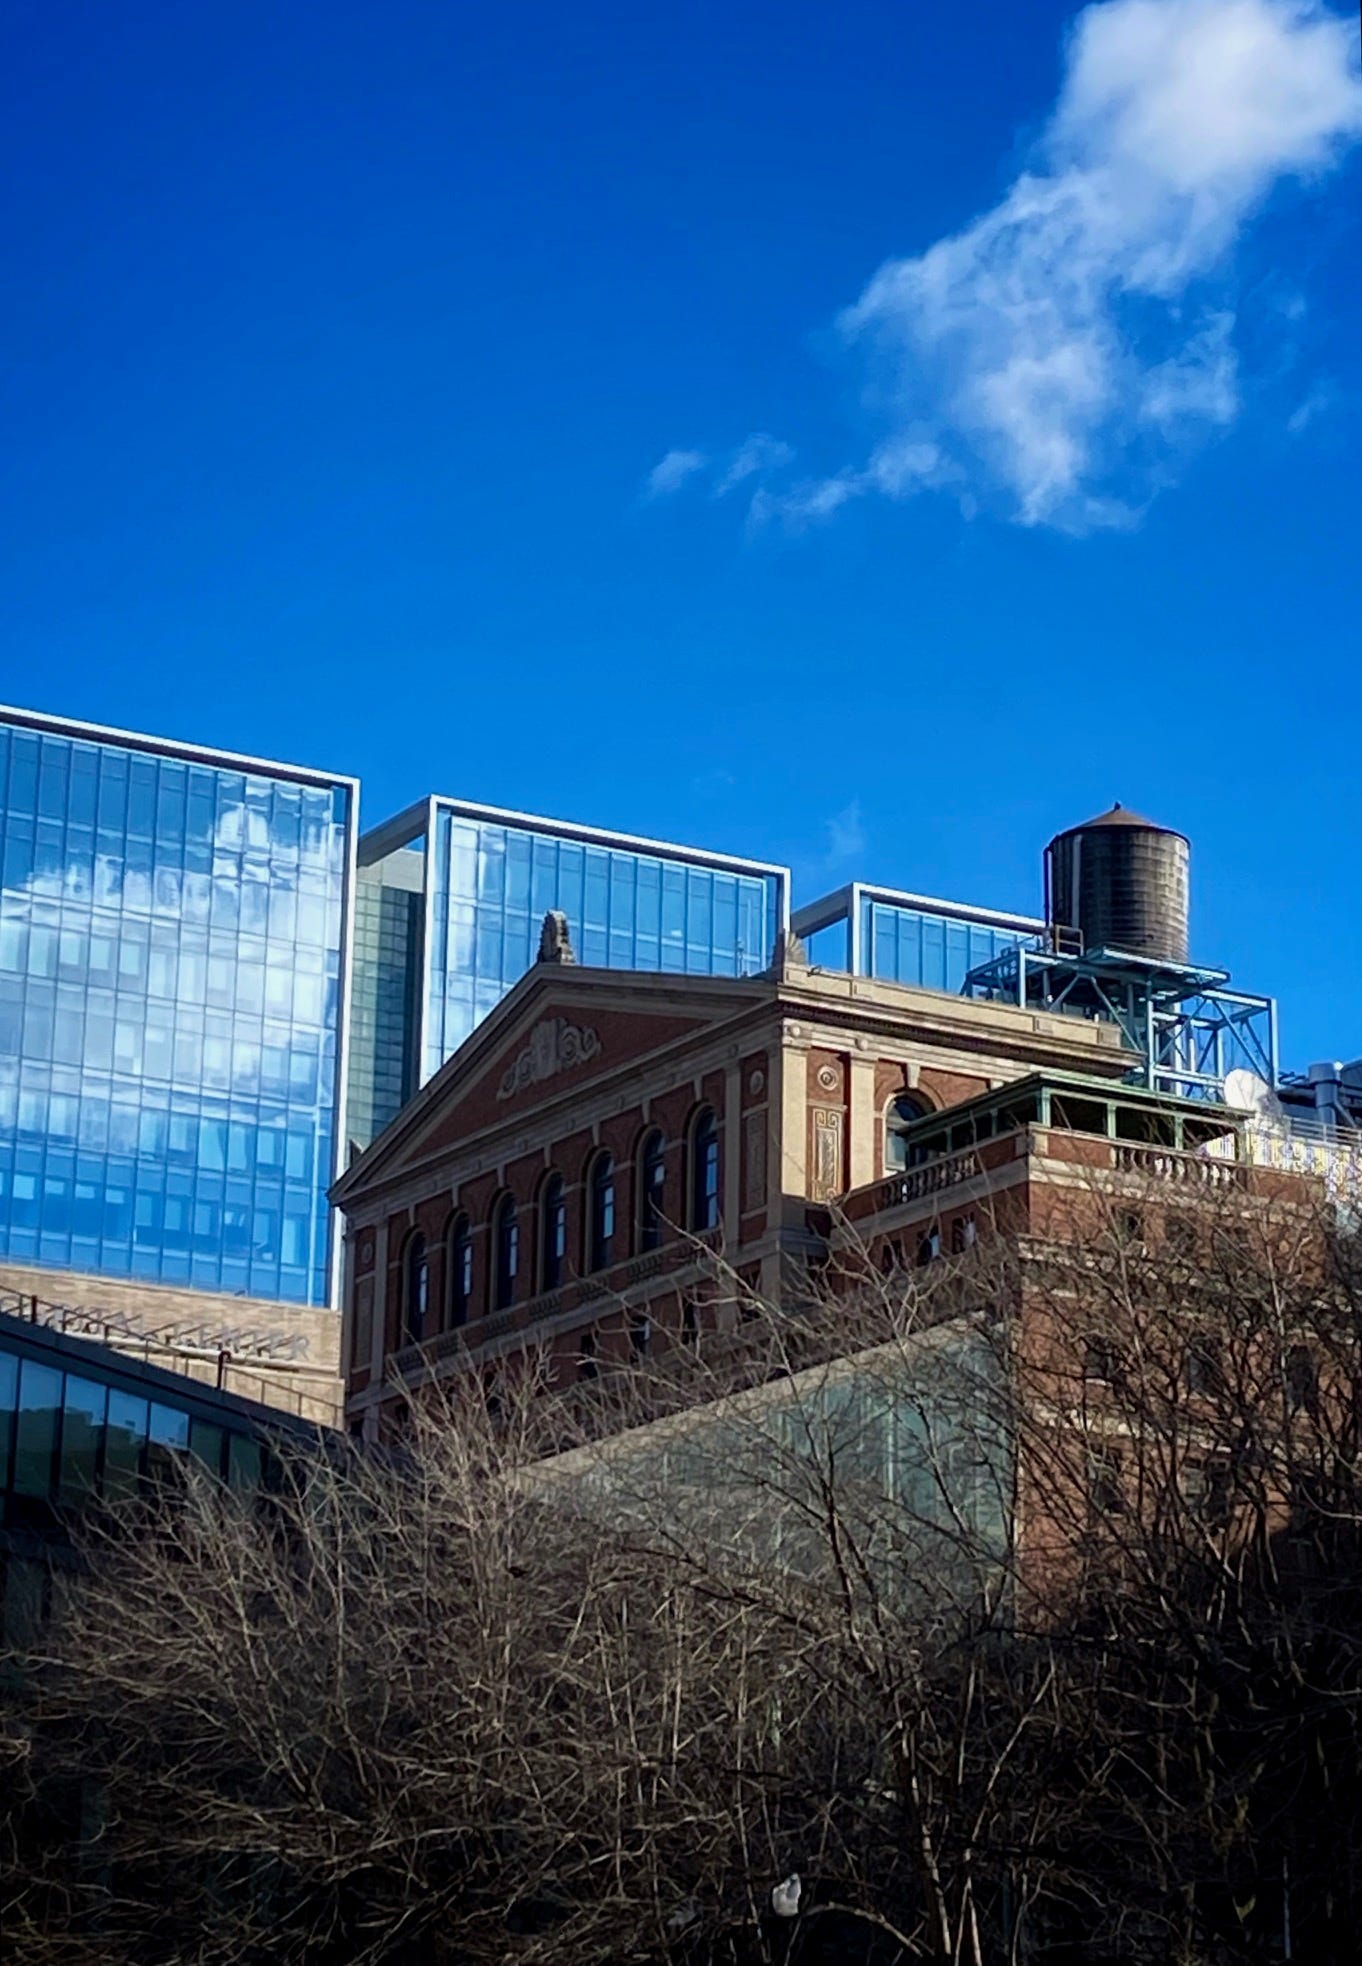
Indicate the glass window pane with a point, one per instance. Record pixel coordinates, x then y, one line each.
82 1431
36 1437
207 1442
168 1439
124 1440
9 1395
243 1462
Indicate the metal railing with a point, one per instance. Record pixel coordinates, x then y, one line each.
307 1391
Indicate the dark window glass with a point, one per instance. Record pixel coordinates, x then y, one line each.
1208 1490
690 1322
458 1272
652 1189
168 1440
1201 1367
553 1233
928 1248
23 1601
207 1442
586 1356
36 1434
704 1199
1106 1494
1302 1379
601 1239
1101 1359
243 1462
640 1333
507 1239
9 1396
415 1290
82 1431
903 1112
125 1438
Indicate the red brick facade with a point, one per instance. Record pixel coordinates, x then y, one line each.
793 1072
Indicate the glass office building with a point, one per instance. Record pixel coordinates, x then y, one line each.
174 958
450 901
907 938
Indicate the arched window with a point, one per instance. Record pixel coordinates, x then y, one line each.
600 1236
415 1290
458 1272
1302 1380
652 1187
552 1233
505 1252
704 1171
903 1112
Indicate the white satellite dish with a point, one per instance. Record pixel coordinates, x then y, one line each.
1247 1093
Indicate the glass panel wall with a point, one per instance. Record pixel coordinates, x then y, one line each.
171 938
64 1436
493 883
937 951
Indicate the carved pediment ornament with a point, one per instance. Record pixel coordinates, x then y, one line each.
555 1046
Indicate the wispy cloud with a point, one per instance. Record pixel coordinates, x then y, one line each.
672 471
1317 402
1061 353
846 838
756 458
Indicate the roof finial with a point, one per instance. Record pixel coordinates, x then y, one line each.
555 943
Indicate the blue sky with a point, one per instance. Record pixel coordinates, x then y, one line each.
866 437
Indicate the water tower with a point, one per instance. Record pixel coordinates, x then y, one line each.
1121 882
1116 948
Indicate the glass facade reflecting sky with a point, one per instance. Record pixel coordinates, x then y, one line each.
172 937
485 880
493 882
906 938
913 945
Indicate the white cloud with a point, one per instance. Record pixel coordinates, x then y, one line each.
1065 347
756 456
1318 401
1198 383
846 837
673 470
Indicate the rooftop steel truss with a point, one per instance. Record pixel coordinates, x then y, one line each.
1186 1027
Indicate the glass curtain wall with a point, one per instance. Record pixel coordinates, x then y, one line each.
912 945
493 883
171 947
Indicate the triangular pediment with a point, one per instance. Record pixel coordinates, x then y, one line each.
561 1031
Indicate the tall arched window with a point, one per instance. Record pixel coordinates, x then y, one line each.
652 1186
552 1233
704 1171
415 1290
903 1112
505 1252
458 1272
600 1239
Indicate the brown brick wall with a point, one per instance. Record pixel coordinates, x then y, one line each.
193 1325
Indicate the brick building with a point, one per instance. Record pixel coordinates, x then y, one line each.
565 1176
571 1176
